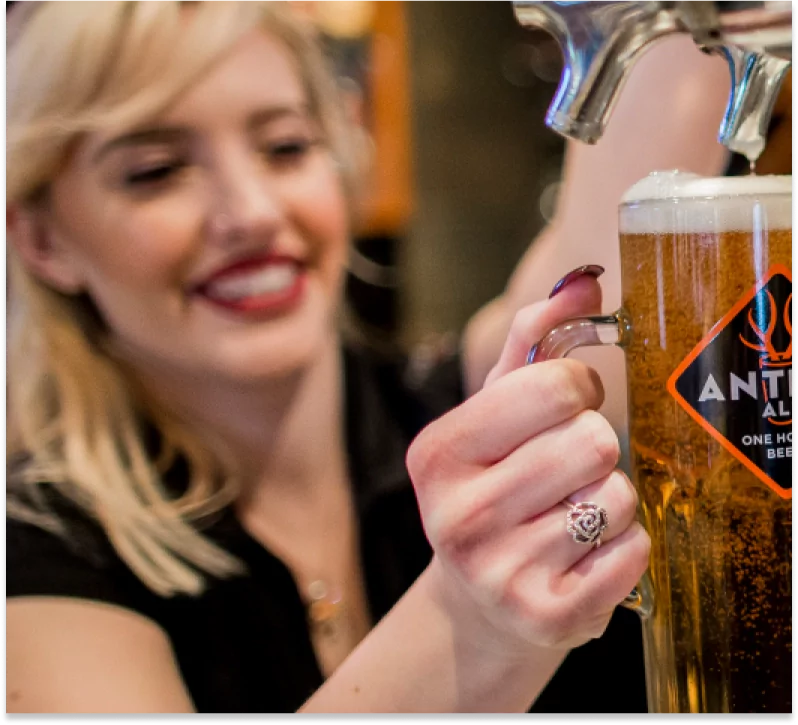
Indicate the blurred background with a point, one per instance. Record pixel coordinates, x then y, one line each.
463 171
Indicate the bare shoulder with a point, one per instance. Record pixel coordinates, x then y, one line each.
75 655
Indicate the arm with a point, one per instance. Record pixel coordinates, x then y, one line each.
77 656
667 116
420 658
63 656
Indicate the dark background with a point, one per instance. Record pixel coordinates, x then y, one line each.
482 157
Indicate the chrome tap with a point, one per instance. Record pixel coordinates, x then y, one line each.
755 82
601 41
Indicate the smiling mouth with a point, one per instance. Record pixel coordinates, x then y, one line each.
269 287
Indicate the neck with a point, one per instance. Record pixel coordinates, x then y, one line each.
285 433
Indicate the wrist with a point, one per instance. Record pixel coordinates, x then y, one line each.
489 660
473 628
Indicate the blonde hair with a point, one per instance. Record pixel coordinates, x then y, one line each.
74 414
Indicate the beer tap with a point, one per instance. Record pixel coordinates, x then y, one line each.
601 41
755 82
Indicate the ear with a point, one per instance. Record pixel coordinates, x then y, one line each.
41 250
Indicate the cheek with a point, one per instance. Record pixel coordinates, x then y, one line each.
326 221
145 247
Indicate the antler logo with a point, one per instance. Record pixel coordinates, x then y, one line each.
736 383
770 357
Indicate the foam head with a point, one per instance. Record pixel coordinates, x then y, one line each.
667 201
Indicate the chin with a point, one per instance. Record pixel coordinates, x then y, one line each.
276 354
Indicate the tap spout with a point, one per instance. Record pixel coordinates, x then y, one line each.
756 80
600 42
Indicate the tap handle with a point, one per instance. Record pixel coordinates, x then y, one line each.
600 42
755 83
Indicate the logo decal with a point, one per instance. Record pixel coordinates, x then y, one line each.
737 382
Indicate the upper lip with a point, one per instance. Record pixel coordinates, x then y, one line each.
242 264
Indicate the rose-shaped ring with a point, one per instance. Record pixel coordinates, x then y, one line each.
586 521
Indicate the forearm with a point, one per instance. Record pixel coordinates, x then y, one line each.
667 117
419 659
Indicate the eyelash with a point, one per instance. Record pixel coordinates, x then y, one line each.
289 152
283 155
154 175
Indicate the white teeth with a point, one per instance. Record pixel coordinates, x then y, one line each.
267 280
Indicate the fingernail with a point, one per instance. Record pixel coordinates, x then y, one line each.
594 270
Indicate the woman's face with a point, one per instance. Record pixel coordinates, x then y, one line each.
213 239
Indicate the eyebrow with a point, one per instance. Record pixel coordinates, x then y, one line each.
141 137
267 115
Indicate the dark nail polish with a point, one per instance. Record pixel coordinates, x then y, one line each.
594 270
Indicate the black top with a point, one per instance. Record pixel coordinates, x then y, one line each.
243 645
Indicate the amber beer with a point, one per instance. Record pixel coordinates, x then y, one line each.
707 291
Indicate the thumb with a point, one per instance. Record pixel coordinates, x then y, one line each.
575 295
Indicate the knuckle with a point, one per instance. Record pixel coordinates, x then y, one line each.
524 321
642 546
625 495
565 386
459 525
637 550
417 461
596 387
601 439
489 579
551 617
444 526
427 456
441 532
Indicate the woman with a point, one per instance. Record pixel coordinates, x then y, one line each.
208 503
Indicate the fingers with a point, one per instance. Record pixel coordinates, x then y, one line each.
614 493
495 421
491 552
581 297
605 576
534 478
554 465
570 609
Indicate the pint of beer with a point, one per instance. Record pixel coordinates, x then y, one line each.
707 329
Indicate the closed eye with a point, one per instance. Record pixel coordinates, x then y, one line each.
290 152
152 175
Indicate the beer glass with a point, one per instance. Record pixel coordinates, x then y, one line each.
706 326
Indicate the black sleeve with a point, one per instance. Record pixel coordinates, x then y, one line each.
72 559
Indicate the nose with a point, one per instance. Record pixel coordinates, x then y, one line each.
247 205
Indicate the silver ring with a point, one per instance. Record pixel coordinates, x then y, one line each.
586 522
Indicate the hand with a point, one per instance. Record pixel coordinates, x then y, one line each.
491 476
